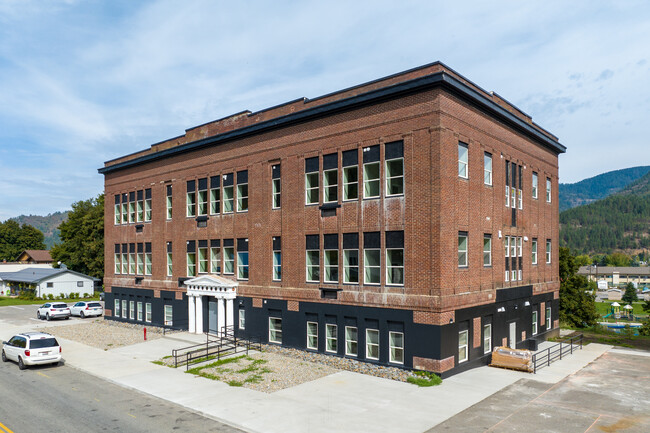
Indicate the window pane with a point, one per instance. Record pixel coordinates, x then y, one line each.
351 340
330 186
350 182
228 199
351 266
395 177
242 198
371 180
311 188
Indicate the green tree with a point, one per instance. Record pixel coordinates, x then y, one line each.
618 259
577 308
630 294
82 235
14 239
583 260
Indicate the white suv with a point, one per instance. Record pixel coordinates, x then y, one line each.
85 309
53 310
31 348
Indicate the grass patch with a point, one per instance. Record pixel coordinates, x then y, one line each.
6 301
235 383
158 362
252 373
424 378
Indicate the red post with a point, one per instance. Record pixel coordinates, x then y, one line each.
145 334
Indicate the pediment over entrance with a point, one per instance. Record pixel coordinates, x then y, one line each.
211 285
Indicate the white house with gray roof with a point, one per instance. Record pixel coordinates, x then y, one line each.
46 281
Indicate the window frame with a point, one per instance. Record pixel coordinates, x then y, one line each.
534 317
329 338
549 321
367 267
463 163
392 267
215 200
464 346
203 260
391 358
170 264
124 309
533 251
350 341
276 194
310 265
548 251
117 259
487 172
168 207
330 188
347 266
147 312
192 265
139 311
168 311
116 307
242 197
277 265
369 182
241 318
243 269
227 260
312 338
369 344
273 330
462 264
215 260
390 179
487 338
347 183
310 188
190 204
487 254
535 185
227 198
548 190
331 268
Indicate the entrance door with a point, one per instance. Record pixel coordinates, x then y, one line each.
512 340
212 317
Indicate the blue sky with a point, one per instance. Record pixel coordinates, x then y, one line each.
82 82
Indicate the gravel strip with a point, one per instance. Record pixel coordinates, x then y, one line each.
105 334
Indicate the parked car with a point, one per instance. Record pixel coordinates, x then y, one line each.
85 309
31 348
53 310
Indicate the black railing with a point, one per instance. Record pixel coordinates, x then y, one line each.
545 357
215 346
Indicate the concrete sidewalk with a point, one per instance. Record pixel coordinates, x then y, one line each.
345 401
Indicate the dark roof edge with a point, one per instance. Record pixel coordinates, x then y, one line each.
377 95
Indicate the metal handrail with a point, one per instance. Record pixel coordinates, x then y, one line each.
545 357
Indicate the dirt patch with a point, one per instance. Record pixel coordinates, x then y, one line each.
105 334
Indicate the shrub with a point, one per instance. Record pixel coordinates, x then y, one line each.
425 378
50 296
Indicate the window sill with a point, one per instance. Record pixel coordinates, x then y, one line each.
394 195
372 198
394 285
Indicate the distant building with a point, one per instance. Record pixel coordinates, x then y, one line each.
35 256
46 281
617 275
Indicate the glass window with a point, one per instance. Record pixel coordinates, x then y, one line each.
147 207
277 190
147 312
116 311
548 251
203 260
191 204
487 338
203 202
118 263
215 260
277 265
242 318
487 250
147 264
313 266
520 199
395 266
132 263
462 250
548 190
169 315
228 199
275 330
242 265
396 342
534 185
331 266
242 197
228 260
124 309
487 168
118 215
312 335
215 200
372 344
125 213
350 183
311 188
170 268
351 341
462 346
534 322
548 318
533 248
132 212
139 311
371 266
462 160
507 196
371 180
125 263
395 177
331 338
168 204
191 264
140 263
330 186
351 266
140 206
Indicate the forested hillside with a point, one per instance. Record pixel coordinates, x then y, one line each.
47 224
598 187
618 222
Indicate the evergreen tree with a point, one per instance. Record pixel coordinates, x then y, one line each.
577 308
630 294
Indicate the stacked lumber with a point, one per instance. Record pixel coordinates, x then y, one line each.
515 359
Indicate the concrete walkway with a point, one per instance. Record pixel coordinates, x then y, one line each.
342 402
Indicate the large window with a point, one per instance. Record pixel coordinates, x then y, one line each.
396 342
487 338
125 209
351 258
311 180
534 327
371 170
277 258
534 182
462 249
147 259
548 318
139 311
132 310
331 338
351 341
372 344
394 176
487 250
190 198
313 258
140 207
170 267
228 257
203 196
117 259
533 248
168 203
215 257
116 310
242 318
147 204
191 264
140 260
350 175
169 315
548 190
228 193
462 160
462 346
330 178
312 335
242 191
395 258
203 257
487 168
132 262
331 248
215 195
277 186
242 259
275 330
117 211
147 312
125 260
124 309
132 207
548 251
371 266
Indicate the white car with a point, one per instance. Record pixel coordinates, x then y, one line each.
31 348
53 310
85 309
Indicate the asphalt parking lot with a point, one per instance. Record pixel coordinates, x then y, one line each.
25 315
611 394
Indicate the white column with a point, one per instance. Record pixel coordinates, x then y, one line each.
199 314
191 314
230 312
221 320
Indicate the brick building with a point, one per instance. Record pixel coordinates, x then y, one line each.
409 221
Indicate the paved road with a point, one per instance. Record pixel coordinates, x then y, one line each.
612 394
63 399
25 315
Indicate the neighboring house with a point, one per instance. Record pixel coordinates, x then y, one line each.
35 256
46 281
617 275
614 294
410 221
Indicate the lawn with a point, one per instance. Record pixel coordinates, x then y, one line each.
604 308
6 301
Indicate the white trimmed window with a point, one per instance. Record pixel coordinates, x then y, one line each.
311 188
313 265
520 199
140 209
117 212
191 264
277 193
170 267
125 263
139 311
371 180
118 264
462 346
169 315
506 243
215 196
228 199
228 260
548 318
277 265
462 160
507 196
242 318
487 250
132 212
534 323
132 264
312 335
168 203
487 168
215 260
351 341
190 200
125 213
331 341
372 344
147 205
203 198
371 266
124 308
331 266
519 254
548 251
148 267
351 182
140 261
548 190
533 248
462 249
147 312
242 265
275 330
396 343
535 181
487 338
395 266
203 260
351 266
395 177
116 310
242 191
330 185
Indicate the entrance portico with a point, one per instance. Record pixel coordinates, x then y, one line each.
219 290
